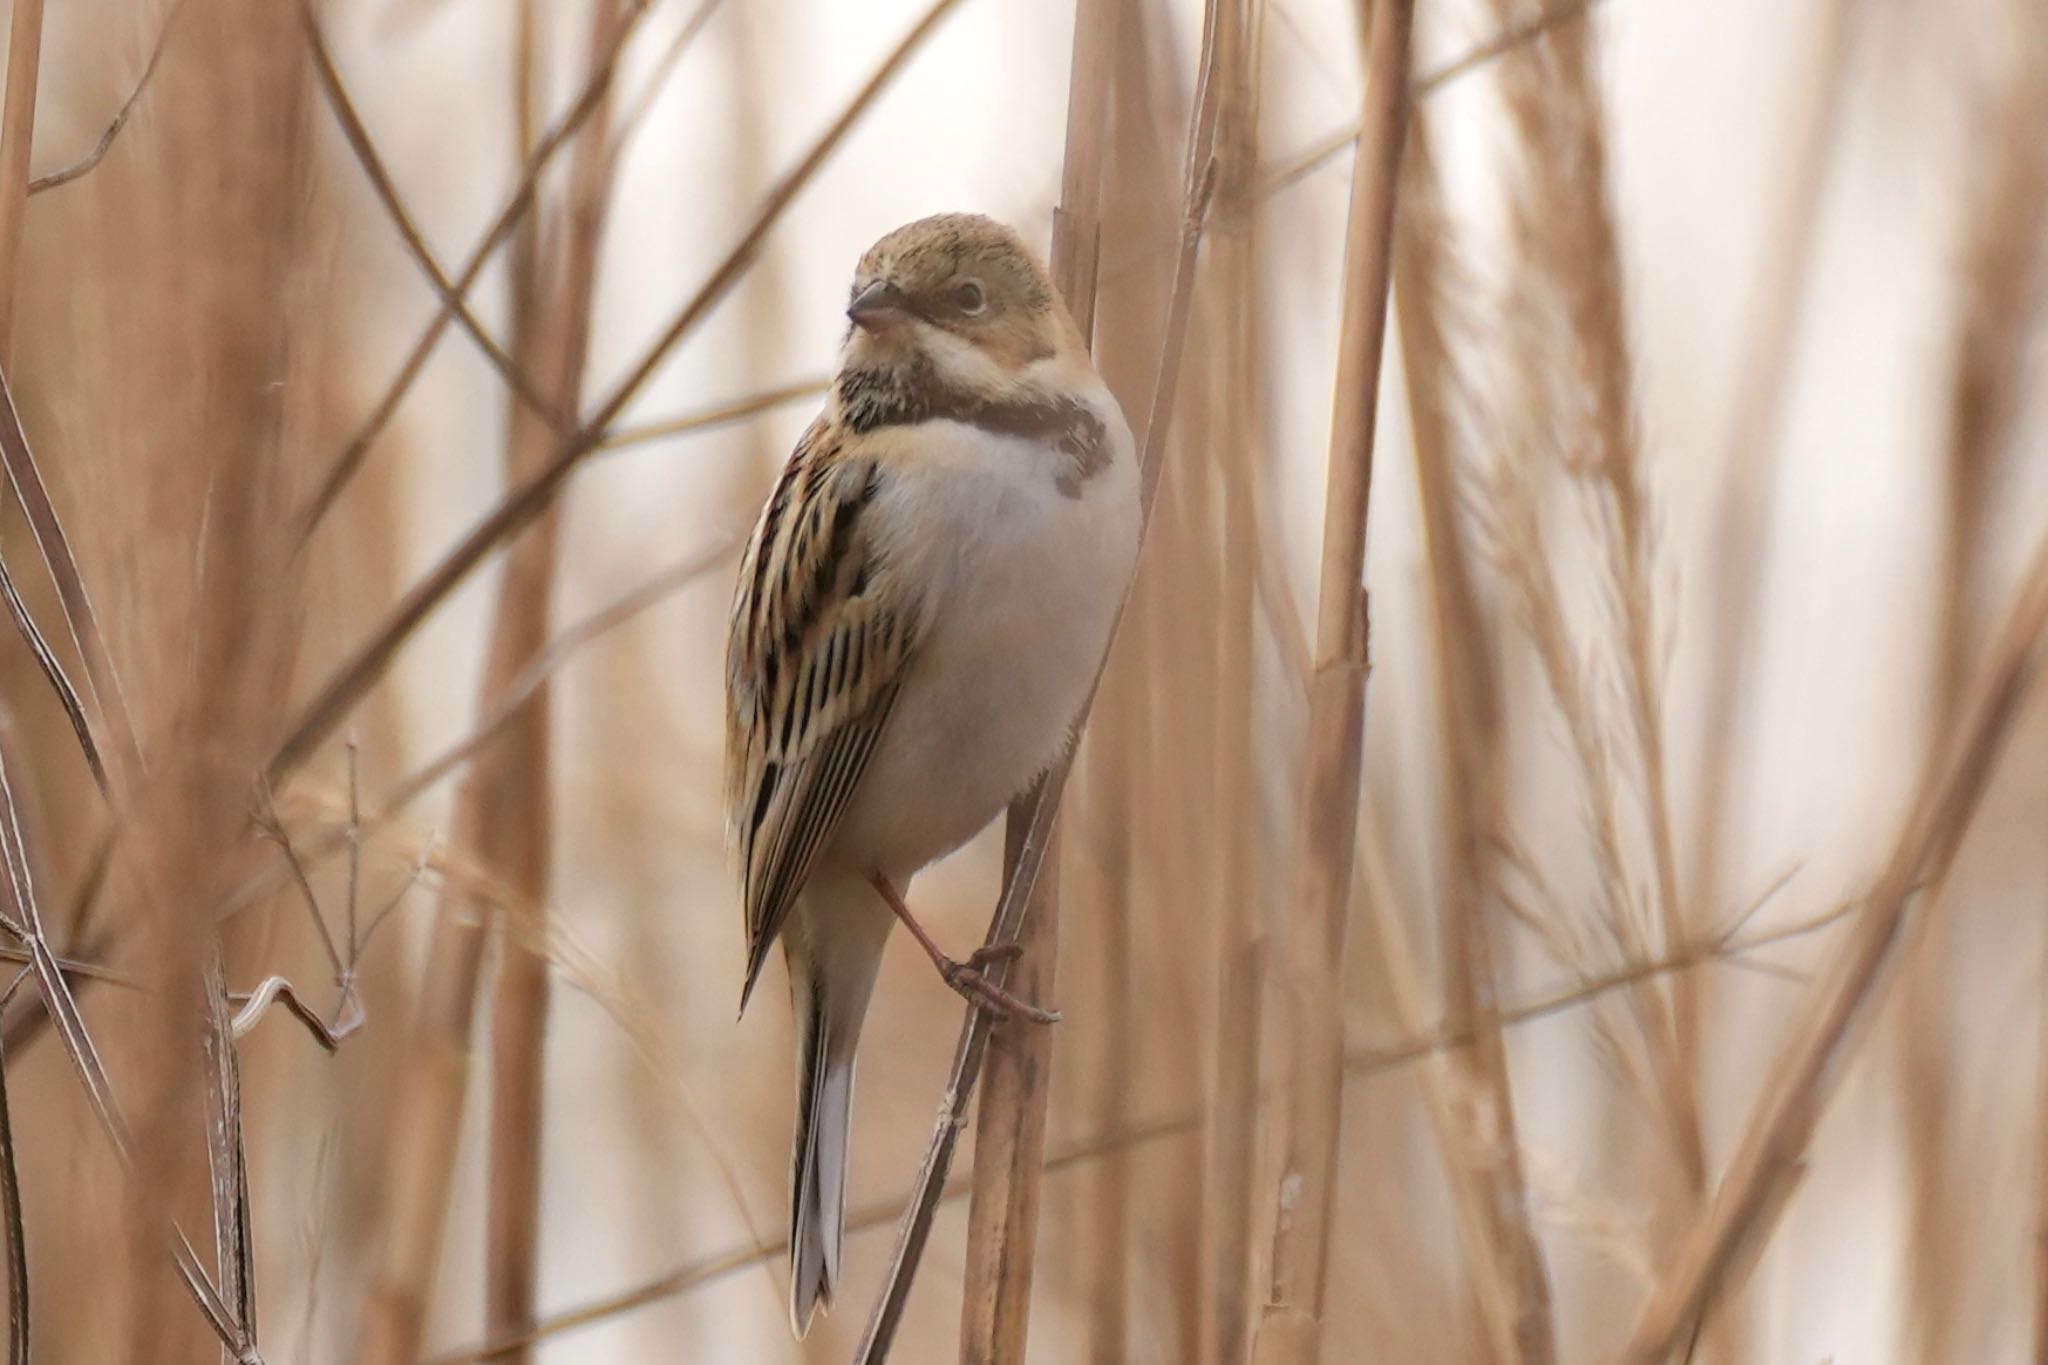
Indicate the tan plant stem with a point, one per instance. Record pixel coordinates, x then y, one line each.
1231 1139
552 315
503 818
17 132
1304 1123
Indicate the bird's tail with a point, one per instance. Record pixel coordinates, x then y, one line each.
817 1194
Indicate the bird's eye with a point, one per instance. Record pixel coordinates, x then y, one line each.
968 298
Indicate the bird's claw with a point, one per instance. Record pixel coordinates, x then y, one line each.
1008 950
986 995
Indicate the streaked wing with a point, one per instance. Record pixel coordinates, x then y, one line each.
815 655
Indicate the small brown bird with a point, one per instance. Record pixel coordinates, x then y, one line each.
919 617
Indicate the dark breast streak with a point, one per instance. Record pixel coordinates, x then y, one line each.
869 399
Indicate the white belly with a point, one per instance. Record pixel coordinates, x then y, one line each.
1026 582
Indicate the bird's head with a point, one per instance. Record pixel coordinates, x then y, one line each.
957 300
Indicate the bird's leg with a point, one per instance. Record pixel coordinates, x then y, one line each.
967 977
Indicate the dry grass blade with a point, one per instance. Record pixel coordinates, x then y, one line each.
53 670
1455 1033
118 735
520 506
105 141
1306 1122
743 254
1510 38
1803 1080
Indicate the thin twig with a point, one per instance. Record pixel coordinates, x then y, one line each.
543 665
114 126
365 150
351 456
634 115
718 415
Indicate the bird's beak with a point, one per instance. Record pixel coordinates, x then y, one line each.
879 305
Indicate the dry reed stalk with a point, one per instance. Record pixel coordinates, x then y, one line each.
1002 1216
17 132
1482 1148
552 320
520 506
1773 1145
1231 1135
503 814
1305 1122
1128 859
207 362
1110 788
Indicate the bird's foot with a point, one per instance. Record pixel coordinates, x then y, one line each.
972 983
